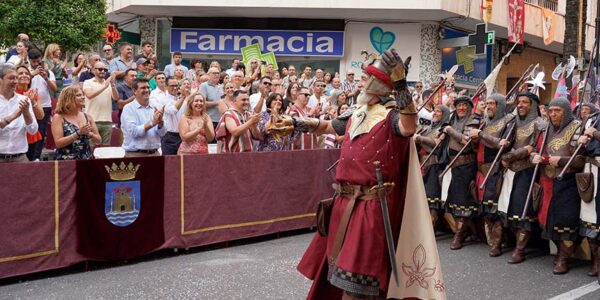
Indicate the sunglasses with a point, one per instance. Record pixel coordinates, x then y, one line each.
350 74
266 83
102 69
320 85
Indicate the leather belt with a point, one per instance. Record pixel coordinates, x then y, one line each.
365 192
10 156
463 160
147 151
357 192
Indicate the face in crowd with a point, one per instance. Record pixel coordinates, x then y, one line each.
307 72
556 114
437 115
177 59
126 52
242 102
585 112
462 109
491 108
523 106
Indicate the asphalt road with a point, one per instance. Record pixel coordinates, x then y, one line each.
265 269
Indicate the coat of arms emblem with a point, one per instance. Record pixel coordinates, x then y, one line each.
122 195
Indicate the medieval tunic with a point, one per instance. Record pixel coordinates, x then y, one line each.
494 131
559 212
432 168
363 256
590 212
519 175
241 143
460 201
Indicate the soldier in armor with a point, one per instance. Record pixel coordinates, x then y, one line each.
519 173
590 210
559 212
459 197
496 127
429 138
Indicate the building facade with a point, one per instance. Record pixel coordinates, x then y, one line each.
332 35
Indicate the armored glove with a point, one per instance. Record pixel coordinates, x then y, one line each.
306 124
398 70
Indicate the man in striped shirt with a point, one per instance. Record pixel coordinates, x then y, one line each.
238 126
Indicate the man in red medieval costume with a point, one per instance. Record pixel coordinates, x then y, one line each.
351 261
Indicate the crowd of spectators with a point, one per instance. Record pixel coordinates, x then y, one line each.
128 101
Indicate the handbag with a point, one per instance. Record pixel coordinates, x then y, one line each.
323 216
585 186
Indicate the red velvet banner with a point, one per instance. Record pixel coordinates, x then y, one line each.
222 197
237 195
38 216
120 206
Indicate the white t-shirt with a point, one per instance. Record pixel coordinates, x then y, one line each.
38 82
312 101
99 107
254 98
425 117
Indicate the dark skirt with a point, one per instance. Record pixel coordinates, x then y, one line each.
520 188
563 212
460 202
489 205
433 188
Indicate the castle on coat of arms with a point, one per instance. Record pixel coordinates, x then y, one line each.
123 200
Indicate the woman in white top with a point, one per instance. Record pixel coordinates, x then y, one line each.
21 57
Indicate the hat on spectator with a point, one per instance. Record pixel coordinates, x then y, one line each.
141 61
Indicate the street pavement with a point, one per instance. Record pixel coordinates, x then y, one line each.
265 268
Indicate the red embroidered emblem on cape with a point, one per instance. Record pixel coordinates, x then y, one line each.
418 273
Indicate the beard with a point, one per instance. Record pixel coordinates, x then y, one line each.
363 98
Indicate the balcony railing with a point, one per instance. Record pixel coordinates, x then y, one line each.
549 4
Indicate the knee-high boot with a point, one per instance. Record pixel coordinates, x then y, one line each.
496 236
459 236
518 254
565 249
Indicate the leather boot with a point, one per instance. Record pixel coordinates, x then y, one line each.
496 237
518 254
459 236
565 249
434 217
595 260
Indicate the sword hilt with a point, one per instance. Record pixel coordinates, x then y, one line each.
378 174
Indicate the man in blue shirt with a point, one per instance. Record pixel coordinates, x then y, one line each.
170 68
142 123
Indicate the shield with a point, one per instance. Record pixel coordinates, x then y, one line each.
122 202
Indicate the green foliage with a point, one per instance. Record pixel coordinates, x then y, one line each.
73 24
